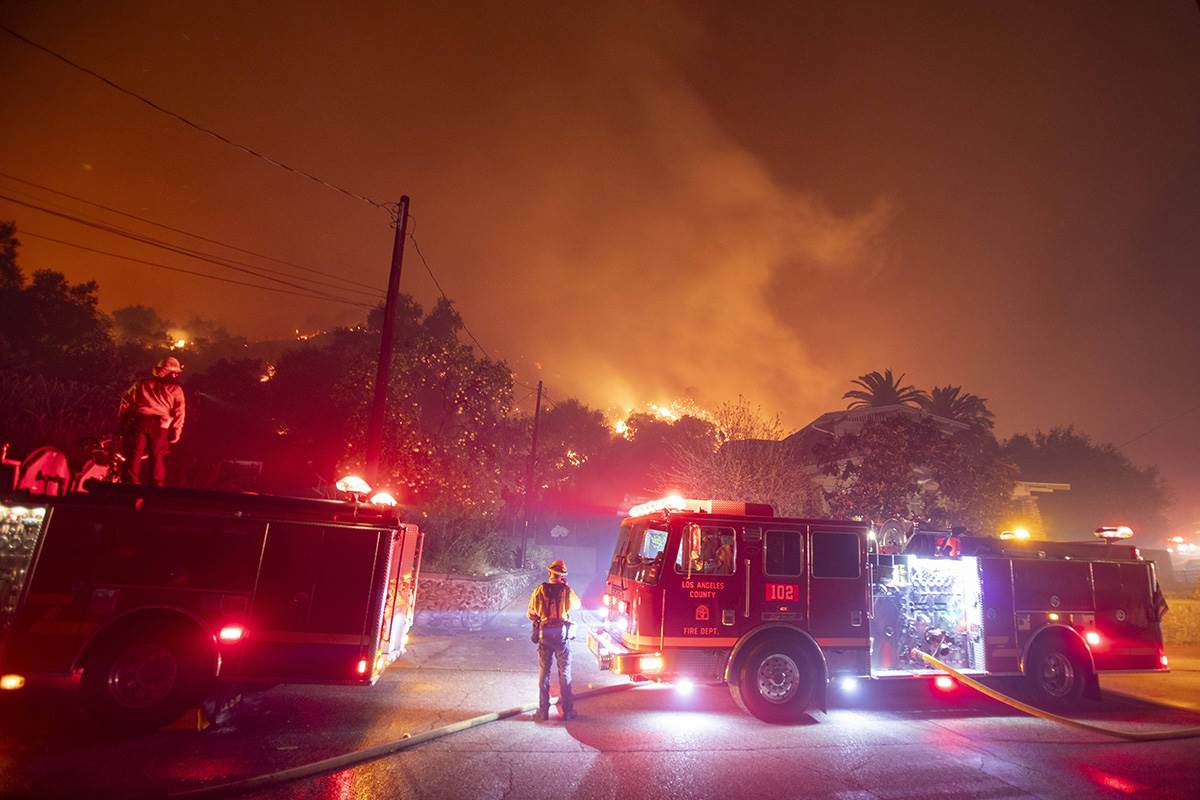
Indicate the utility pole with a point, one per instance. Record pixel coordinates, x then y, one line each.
383 373
537 419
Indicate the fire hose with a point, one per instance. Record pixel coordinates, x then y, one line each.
356 757
1132 736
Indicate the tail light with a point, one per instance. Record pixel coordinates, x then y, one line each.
362 666
1163 660
12 682
231 633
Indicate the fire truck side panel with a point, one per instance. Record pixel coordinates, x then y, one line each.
310 620
96 566
1125 617
1001 651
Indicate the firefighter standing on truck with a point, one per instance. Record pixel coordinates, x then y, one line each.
549 608
152 413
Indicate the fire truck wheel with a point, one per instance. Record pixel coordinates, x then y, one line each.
144 679
775 680
1057 674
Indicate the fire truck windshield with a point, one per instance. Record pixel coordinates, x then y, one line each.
639 553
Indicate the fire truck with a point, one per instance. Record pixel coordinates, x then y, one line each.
145 597
781 608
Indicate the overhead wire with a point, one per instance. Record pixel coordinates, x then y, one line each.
388 207
196 273
217 260
1162 424
412 234
185 232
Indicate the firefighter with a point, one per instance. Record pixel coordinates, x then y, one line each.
549 610
152 413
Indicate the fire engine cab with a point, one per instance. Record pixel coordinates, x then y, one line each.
777 608
147 596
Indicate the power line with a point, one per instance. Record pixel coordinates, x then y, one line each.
217 260
214 258
207 275
1164 423
208 131
433 277
173 229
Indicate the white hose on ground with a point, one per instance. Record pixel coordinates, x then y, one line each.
1133 736
355 757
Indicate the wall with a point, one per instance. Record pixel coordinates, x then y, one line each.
460 601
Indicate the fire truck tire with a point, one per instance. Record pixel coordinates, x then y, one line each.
144 679
1057 674
775 680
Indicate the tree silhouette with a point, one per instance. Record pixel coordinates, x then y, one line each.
882 390
953 403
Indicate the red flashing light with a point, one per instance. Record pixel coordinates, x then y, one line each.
1092 638
1163 660
362 666
943 683
384 498
352 484
231 633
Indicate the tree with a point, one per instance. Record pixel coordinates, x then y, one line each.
882 390
1106 487
952 403
49 326
11 276
901 467
141 326
746 461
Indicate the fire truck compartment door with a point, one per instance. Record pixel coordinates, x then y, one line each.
838 587
1125 616
317 590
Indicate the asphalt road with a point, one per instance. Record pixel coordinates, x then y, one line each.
887 742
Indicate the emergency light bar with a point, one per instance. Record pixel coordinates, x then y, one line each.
1113 532
676 503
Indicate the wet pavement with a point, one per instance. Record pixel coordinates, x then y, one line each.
895 741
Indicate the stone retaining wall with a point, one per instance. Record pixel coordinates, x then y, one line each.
1181 625
464 601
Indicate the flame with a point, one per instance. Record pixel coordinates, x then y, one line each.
668 412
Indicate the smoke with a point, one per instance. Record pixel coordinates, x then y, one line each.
643 242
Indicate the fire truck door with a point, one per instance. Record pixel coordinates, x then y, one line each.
838 587
777 591
707 608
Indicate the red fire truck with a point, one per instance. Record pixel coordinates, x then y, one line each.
146 597
779 608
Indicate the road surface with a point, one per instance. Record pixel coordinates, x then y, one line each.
648 742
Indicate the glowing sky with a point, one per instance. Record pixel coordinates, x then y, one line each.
637 202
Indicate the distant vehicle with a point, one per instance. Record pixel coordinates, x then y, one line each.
146 597
779 608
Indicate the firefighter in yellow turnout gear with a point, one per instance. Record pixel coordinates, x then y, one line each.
549 610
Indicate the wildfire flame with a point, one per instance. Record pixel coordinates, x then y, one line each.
668 412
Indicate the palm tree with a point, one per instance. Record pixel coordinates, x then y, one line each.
953 403
882 390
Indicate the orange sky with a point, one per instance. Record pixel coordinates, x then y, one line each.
655 200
